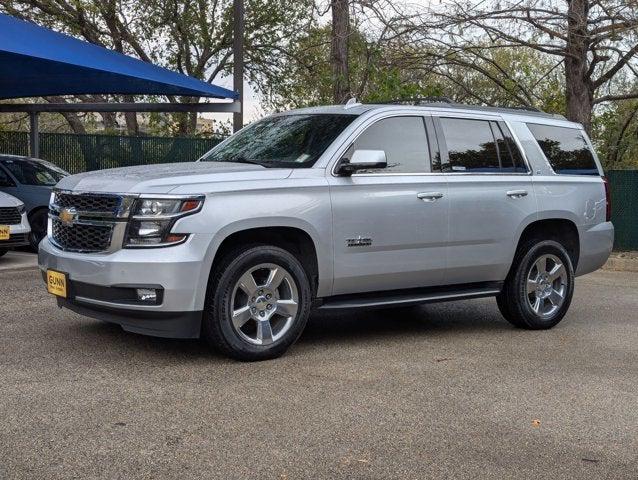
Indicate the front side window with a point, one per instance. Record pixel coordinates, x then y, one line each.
31 172
282 141
5 180
565 148
404 141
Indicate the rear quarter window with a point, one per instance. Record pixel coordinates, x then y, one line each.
565 148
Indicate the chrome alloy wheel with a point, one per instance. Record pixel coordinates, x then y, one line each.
546 285
264 304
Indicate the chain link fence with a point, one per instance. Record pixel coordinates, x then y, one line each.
81 153
624 204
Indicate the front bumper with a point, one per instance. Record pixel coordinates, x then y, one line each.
98 285
19 234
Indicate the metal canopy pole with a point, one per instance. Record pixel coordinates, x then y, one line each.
34 135
238 61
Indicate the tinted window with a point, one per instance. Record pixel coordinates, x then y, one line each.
508 152
404 141
292 141
5 180
565 148
30 172
470 144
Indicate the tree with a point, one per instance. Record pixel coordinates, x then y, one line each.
376 70
594 42
339 50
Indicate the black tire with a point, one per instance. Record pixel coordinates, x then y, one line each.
38 221
517 305
3 252
217 327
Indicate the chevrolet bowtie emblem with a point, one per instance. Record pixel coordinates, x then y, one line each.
68 216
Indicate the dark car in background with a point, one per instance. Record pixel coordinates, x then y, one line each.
31 180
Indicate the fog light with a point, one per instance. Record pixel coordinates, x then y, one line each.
147 295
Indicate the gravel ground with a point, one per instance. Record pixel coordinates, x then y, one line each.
441 391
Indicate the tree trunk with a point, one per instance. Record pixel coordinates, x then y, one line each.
339 50
132 126
579 88
110 120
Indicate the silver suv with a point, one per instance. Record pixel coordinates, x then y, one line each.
331 208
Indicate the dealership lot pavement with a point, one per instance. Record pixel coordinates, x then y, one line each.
442 391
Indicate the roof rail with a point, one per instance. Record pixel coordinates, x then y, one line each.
445 102
419 101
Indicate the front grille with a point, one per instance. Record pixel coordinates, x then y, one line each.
10 216
81 237
88 202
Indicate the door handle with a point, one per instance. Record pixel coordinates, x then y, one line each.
517 193
429 196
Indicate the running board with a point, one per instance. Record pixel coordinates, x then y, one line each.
412 296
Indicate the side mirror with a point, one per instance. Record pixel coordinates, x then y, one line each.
362 160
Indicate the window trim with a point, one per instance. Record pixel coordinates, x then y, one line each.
445 160
367 124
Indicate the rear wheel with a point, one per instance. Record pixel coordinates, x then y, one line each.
3 251
539 289
38 221
258 303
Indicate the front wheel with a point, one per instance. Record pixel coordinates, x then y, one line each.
258 303
539 289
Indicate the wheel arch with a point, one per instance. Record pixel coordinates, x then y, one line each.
299 241
560 229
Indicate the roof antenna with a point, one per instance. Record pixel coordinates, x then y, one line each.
351 103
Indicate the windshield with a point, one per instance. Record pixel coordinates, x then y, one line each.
31 172
289 141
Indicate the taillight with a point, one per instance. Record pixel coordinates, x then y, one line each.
607 198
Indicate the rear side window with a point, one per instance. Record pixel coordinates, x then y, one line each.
480 146
404 141
565 148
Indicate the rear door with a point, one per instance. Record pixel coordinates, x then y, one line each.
390 225
491 196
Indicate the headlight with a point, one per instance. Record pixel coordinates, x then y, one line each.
21 208
153 218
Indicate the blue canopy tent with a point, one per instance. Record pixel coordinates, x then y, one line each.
36 62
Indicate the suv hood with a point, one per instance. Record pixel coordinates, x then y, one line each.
7 200
165 177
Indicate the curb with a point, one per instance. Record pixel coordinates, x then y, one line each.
621 264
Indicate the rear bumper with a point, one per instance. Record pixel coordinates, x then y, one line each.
596 244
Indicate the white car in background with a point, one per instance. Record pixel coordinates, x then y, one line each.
14 226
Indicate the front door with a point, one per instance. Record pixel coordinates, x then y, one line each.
390 225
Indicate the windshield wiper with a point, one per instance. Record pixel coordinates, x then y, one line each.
246 160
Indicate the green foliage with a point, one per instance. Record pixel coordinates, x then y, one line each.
374 76
615 133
